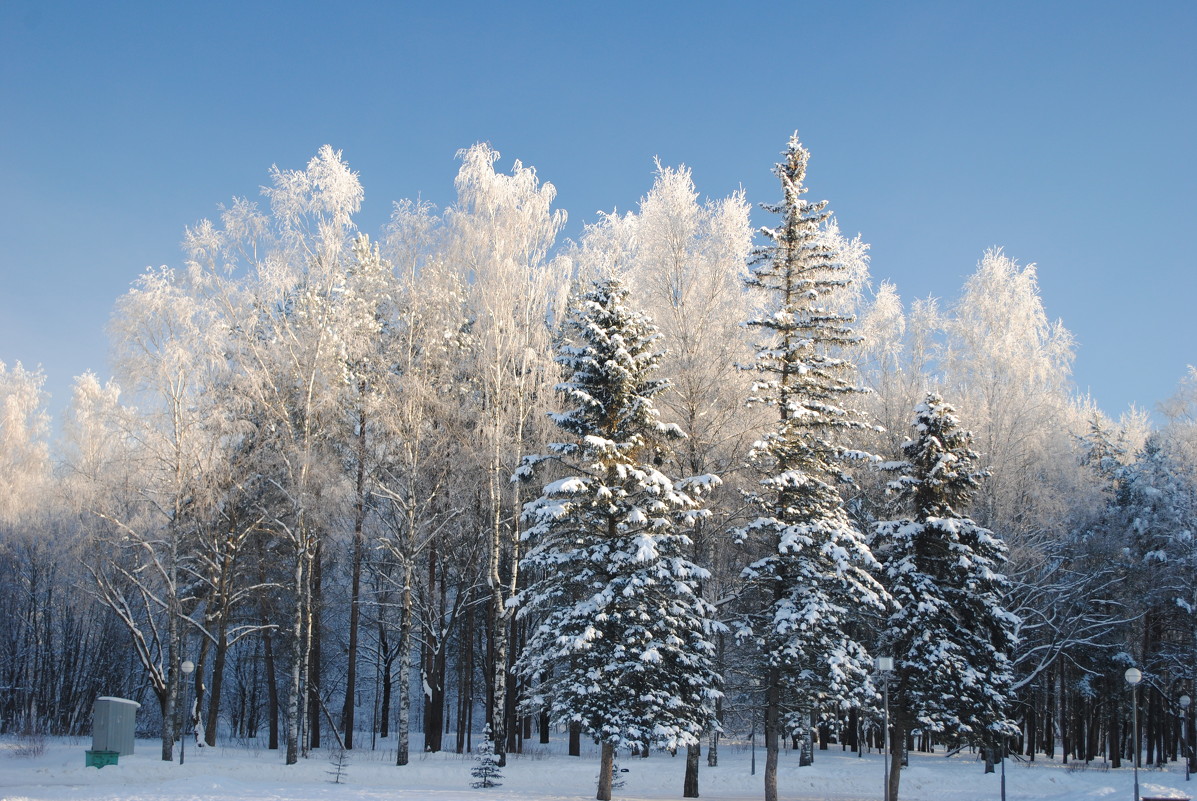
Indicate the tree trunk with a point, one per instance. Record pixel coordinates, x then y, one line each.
299 643
218 664
772 732
440 671
462 688
384 649
575 738
690 786
713 746
166 705
897 736
1049 716
223 592
499 613
271 688
806 757
606 766
355 582
511 721
433 659
316 606
405 651
465 667
1032 726
1151 730
1114 747
192 714
1065 729
168 694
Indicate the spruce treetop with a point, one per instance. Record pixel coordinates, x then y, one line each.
943 461
610 366
799 277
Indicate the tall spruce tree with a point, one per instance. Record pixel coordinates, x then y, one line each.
950 635
623 642
812 577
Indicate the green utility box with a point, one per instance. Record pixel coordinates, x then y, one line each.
113 722
98 759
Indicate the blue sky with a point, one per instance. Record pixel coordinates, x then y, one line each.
1062 131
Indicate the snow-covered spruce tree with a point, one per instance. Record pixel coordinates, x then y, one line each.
1155 514
683 264
950 636
813 575
486 772
623 642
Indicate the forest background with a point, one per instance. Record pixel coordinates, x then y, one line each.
299 474
302 477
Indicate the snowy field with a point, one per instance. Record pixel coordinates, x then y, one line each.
543 774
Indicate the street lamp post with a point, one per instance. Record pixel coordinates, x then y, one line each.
885 666
1133 676
1184 731
187 667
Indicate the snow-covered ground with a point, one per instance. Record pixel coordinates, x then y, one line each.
542 774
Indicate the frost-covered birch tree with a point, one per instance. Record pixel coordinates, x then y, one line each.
622 645
24 439
283 310
367 319
1009 365
685 271
499 235
897 360
27 554
422 464
168 347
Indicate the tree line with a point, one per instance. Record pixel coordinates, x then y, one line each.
664 484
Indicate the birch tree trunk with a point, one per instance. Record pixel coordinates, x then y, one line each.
405 653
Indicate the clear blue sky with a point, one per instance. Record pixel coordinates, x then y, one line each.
1063 131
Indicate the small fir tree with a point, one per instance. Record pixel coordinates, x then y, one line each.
338 760
623 645
487 770
813 575
951 636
